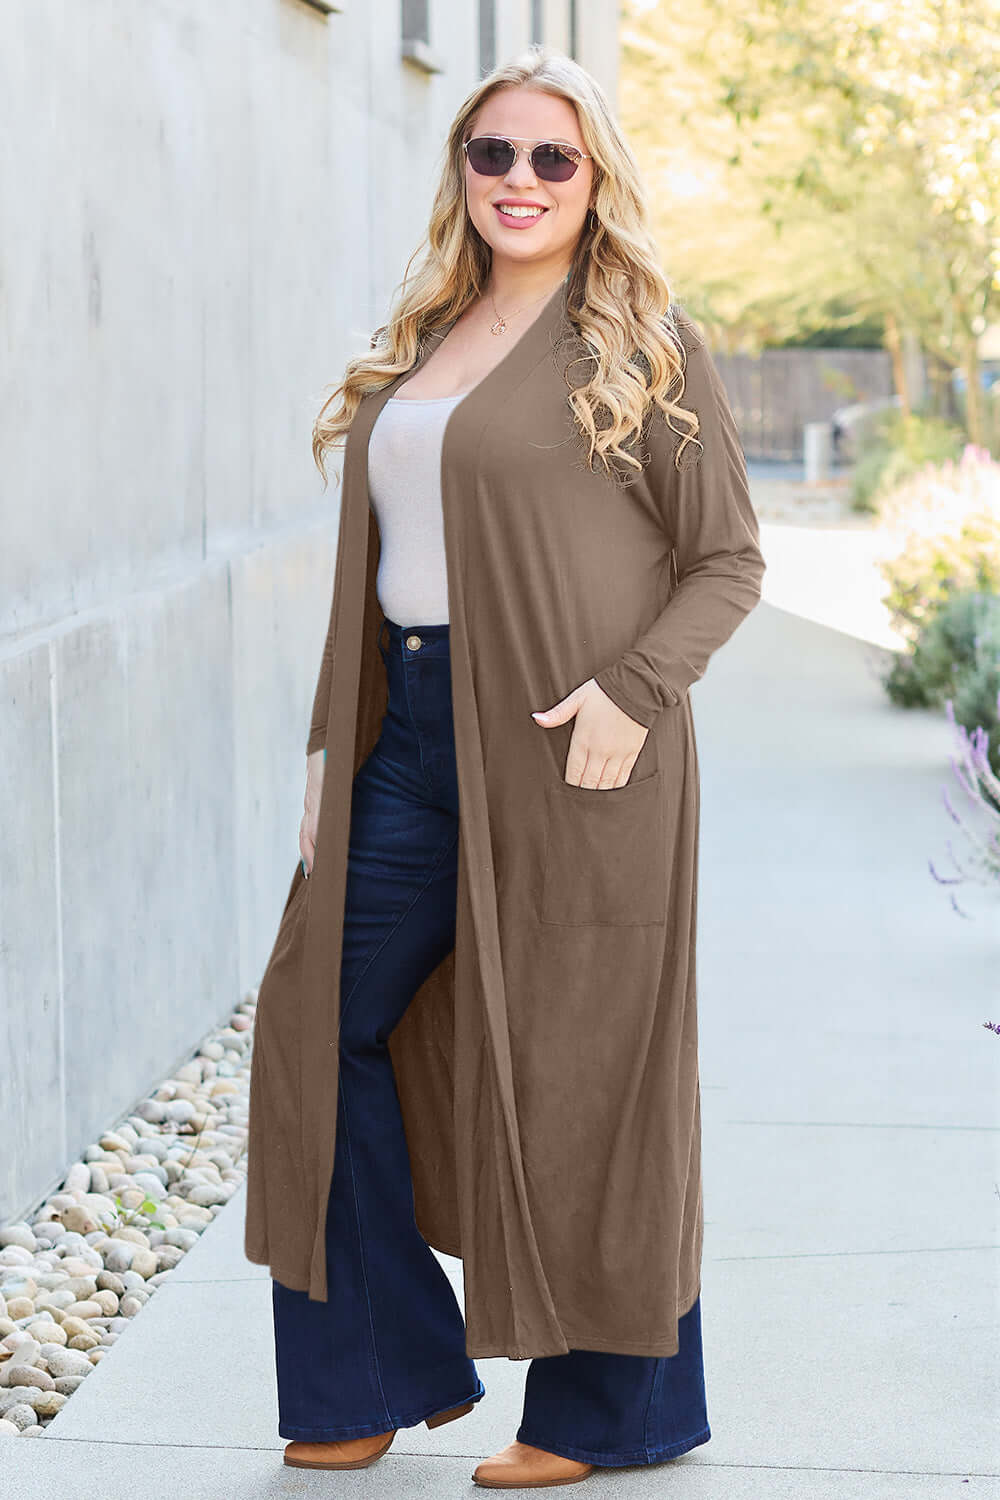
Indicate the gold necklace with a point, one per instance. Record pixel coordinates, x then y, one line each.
500 326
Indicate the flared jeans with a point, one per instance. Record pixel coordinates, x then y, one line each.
387 1349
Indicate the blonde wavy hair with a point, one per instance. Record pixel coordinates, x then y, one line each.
618 300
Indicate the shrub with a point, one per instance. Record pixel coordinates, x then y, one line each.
898 447
956 655
940 536
980 826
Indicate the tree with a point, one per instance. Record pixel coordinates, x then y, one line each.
809 154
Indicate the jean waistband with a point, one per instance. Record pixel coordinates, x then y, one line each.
408 642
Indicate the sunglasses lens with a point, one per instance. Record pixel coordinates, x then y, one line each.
490 157
553 164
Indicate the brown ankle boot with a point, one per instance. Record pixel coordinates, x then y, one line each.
347 1453
520 1466
358 1453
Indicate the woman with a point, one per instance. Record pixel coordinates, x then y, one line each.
476 1031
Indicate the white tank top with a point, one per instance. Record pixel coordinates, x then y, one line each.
404 487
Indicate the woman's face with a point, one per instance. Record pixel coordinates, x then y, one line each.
528 115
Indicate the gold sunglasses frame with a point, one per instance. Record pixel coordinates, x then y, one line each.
512 140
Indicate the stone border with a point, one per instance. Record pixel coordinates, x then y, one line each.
95 1251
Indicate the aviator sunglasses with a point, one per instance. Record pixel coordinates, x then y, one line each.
551 161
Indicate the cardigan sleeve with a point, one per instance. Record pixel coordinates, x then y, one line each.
707 514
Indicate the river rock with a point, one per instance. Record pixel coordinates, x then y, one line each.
47 1404
29 1375
56 1280
119 1257
44 1331
20 1234
152 1110
155 1145
71 1326
180 1110
99 1177
144 1263
113 1140
14 1260
67 1362
131 1235
67 1384
87 1309
84 1342
80 1219
81 1287
21 1415
78 1178
151 1184
184 1239
208 1194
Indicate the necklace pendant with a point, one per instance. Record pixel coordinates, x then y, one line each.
500 326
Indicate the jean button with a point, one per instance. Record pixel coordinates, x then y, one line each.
414 642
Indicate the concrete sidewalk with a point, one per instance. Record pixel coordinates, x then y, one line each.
850 1298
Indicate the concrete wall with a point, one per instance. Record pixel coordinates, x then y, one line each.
207 212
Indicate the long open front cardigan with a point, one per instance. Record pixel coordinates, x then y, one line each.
548 1068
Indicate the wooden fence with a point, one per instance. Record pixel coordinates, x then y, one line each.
776 393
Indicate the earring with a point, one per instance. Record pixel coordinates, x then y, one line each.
593 220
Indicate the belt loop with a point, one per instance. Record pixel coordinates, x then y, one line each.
380 630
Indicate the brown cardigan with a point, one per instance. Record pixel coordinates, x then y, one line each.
548 1068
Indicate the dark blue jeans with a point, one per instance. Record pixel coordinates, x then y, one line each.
388 1347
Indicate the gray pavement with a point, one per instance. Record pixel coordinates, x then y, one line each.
851 1299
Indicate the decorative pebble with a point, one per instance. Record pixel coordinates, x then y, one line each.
80 1219
86 1309
19 1234
144 1262
19 1307
15 1256
71 1326
73 1278
85 1341
67 1362
47 1404
30 1375
67 1384
21 1415
47 1332
78 1178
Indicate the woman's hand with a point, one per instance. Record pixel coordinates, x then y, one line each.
310 818
606 741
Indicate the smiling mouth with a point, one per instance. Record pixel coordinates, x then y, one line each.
511 211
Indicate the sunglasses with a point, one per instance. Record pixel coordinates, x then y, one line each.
494 155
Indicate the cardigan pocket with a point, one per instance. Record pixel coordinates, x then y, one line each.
279 982
605 855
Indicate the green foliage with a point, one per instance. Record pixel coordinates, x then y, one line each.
817 162
942 569
897 447
956 657
140 1217
977 690
957 653
941 531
